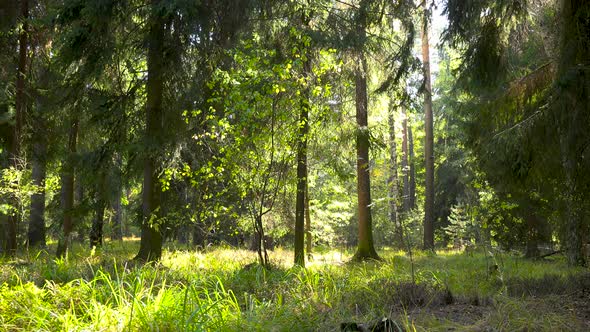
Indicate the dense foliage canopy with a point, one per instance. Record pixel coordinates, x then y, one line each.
263 123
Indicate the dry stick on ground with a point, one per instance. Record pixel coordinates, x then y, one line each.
549 254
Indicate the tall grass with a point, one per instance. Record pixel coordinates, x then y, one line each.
220 290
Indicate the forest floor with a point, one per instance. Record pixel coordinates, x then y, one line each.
220 290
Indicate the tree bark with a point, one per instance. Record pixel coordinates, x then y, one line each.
8 15
117 218
67 191
100 202
412 168
151 236
302 136
573 105
260 239
405 165
20 108
366 248
36 232
198 235
392 181
117 224
308 239
79 201
429 139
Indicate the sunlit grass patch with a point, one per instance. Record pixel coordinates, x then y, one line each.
224 289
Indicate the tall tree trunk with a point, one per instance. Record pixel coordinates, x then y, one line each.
36 232
302 136
573 106
67 191
20 108
8 15
392 181
308 239
150 248
412 168
366 248
405 165
429 139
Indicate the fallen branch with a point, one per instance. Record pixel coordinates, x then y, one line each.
547 255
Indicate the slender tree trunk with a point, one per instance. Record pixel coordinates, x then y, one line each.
261 241
198 235
36 232
126 225
151 236
67 190
303 132
100 202
429 140
392 182
117 219
366 249
117 225
79 201
20 108
412 168
308 239
405 165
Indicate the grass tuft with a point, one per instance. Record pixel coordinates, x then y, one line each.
223 290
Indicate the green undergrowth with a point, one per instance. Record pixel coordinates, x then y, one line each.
221 290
